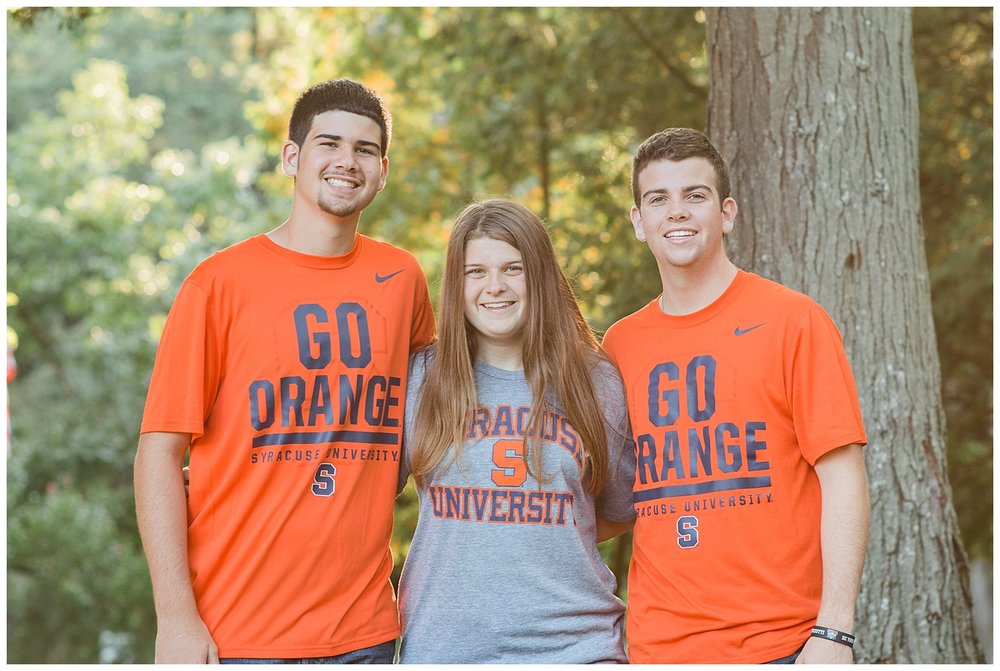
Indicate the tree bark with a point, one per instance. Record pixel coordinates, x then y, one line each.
816 112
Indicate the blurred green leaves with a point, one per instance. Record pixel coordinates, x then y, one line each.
953 58
101 226
73 574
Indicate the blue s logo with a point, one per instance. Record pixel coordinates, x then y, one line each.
323 482
687 531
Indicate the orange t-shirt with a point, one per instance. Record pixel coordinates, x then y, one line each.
730 407
289 371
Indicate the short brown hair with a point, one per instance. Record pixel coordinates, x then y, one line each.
677 144
345 95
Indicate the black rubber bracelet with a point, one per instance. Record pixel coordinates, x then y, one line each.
834 635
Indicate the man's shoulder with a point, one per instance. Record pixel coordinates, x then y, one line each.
388 251
779 304
778 295
390 261
621 327
234 258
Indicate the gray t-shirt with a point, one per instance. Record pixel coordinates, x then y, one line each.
501 570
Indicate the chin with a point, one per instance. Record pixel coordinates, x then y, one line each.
679 260
342 211
501 335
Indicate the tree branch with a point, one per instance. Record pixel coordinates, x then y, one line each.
649 43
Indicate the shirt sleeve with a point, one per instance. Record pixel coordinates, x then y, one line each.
616 495
414 381
404 469
608 344
823 397
187 369
422 330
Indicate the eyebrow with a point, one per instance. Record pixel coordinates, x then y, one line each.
504 263
686 189
338 138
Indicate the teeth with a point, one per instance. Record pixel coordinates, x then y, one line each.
333 181
497 305
680 234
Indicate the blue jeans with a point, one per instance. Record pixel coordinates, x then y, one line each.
377 654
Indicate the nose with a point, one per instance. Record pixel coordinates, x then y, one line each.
677 211
345 158
496 283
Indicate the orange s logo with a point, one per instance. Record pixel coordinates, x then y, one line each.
508 456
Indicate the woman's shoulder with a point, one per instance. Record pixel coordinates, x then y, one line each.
607 380
420 360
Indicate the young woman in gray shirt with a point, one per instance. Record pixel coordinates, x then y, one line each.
516 436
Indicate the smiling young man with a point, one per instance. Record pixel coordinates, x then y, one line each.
750 491
282 370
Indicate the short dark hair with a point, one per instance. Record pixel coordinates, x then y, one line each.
677 144
345 95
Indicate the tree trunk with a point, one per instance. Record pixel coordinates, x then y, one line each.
816 112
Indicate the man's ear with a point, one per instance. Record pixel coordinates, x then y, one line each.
289 158
729 210
636 218
385 173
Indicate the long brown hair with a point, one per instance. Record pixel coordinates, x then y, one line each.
558 350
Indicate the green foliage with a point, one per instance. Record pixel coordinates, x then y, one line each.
74 576
100 230
72 221
955 78
196 58
140 140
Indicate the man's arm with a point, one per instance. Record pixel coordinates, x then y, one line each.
844 538
181 636
608 529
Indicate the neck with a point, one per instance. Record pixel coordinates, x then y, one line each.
316 232
500 355
689 289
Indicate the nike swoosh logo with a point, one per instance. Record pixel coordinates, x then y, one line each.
740 331
383 278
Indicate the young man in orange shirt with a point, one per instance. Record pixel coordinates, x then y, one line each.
750 491
282 369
